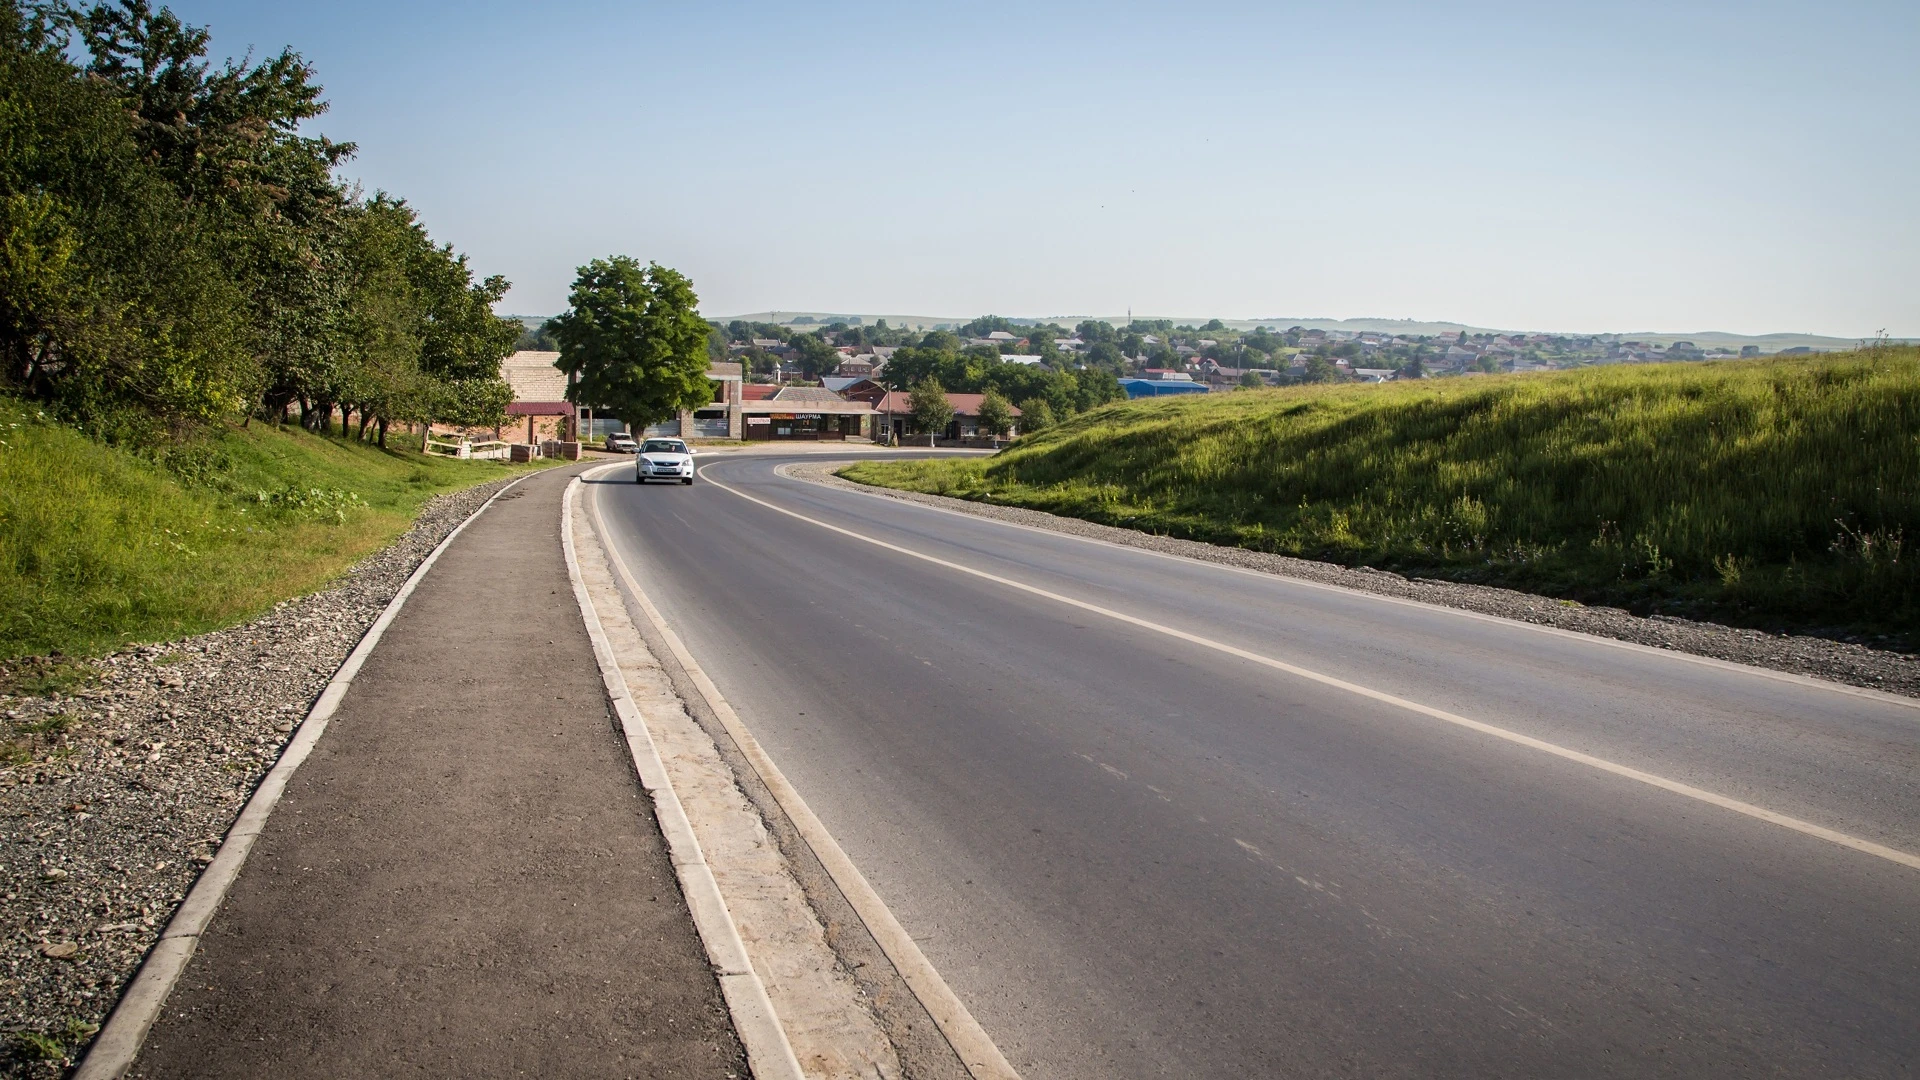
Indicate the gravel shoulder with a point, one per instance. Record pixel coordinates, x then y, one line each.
114 797
1821 658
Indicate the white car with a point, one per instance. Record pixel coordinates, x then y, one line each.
664 459
620 443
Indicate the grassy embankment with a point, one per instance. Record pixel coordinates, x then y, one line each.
100 547
1779 493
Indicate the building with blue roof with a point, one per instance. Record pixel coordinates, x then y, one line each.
1139 388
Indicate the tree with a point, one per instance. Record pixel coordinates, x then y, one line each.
931 410
1251 380
175 252
909 367
1105 355
418 339
537 339
634 341
984 325
1035 415
940 340
816 357
1095 331
996 413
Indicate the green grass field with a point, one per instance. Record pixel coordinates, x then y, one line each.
1771 492
101 547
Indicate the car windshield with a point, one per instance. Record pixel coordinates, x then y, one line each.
664 446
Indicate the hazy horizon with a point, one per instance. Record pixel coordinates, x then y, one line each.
1694 166
1409 327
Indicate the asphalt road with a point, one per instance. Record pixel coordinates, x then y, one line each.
1135 855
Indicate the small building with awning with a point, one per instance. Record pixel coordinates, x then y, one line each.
805 414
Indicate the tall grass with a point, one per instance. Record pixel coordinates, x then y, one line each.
101 546
1762 490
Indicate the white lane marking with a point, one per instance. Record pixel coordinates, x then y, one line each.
1808 681
1893 855
969 1040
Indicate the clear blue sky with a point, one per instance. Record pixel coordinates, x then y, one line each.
1600 166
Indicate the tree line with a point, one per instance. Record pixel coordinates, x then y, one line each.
176 250
1061 385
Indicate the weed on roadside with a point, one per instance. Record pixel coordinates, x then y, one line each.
55 1047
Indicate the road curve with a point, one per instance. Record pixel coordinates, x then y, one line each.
1133 851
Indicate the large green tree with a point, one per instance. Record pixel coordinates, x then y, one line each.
419 339
633 341
816 357
175 250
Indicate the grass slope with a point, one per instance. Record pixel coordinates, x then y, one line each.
100 547
1774 492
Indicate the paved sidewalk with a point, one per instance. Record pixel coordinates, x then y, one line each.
465 879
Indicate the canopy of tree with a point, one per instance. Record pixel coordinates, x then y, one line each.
996 412
634 342
174 251
932 412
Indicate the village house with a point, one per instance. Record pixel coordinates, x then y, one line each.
539 398
803 414
893 414
859 366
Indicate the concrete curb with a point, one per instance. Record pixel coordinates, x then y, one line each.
113 1051
769 1054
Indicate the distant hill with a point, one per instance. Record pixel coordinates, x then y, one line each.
1706 339
911 322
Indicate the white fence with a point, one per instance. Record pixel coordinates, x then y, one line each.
490 450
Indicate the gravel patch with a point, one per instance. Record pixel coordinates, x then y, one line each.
114 797
1822 658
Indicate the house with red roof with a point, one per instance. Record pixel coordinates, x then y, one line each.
893 414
